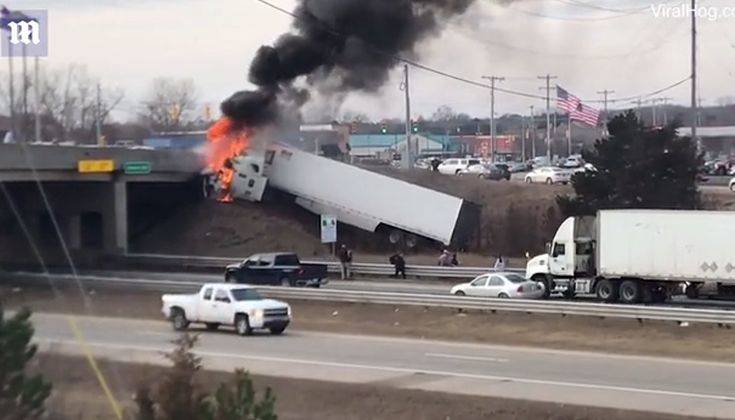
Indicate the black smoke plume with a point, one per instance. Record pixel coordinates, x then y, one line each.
353 44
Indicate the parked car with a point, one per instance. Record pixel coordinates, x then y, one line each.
283 268
226 304
487 171
517 167
549 175
500 285
732 185
455 165
505 168
573 161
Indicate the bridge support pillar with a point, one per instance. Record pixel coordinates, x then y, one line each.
120 198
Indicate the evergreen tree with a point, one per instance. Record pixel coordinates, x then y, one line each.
21 396
636 167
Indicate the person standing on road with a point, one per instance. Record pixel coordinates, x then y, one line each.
445 259
345 261
455 261
499 263
399 263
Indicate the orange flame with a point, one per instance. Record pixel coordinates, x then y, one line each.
226 140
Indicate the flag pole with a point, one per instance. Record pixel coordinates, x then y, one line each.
569 136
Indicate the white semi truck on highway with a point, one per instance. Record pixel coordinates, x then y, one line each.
640 255
356 196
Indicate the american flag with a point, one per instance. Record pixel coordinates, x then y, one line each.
576 109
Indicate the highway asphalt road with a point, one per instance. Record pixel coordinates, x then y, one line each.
640 383
432 287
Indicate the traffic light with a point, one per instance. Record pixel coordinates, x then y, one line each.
414 126
383 128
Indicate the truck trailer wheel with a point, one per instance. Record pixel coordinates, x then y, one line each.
242 325
178 319
607 290
692 291
630 291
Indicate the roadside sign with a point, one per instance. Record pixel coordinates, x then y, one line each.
137 168
96 166
329 229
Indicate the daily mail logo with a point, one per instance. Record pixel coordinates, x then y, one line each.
24 32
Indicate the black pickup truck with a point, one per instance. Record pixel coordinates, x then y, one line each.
280 268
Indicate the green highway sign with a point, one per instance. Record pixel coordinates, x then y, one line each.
137 168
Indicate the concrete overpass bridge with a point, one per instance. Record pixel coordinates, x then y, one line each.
100 196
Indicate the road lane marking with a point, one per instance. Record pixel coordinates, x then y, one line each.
463 357
601 387
380 338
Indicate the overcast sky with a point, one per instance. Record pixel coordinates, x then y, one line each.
128 43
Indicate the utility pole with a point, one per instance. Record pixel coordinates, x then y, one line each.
605 93
665 101
533 133
493 144
11 91
97 115
24 120
695 111
523 138
548 79
638 103
407 159
699 111
37 101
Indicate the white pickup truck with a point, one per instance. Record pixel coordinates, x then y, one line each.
227 304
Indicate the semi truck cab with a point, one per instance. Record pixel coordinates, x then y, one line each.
569 264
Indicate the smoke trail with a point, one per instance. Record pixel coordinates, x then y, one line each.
352 44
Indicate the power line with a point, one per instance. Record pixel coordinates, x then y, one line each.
461 78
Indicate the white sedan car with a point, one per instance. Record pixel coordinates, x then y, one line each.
732 185
549 175
500 285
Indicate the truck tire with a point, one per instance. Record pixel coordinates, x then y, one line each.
284 282
242 325
212 326
607 290
692 291
278 330
544 282
178 319
630 291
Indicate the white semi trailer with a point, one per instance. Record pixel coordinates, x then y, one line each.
640 255
356 196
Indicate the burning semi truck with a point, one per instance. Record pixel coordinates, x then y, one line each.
402 211
370 201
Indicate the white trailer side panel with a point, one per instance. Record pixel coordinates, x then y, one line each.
667 244
361 197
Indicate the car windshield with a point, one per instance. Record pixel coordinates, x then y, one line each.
245 294
515 278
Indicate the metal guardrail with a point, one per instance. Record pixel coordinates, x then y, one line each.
602 310
370 269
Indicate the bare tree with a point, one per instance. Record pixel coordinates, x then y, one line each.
68 101
170 104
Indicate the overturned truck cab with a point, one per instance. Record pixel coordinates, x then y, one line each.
635 256
356 196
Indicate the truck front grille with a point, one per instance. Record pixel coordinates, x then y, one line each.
280 312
